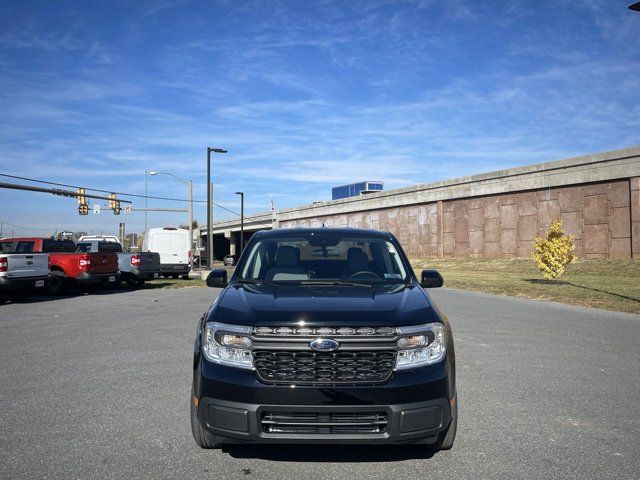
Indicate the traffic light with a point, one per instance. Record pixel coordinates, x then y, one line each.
114 204
83 208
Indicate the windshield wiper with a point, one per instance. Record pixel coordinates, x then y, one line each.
248 281
336 283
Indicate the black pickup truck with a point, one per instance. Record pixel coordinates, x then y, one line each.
324 336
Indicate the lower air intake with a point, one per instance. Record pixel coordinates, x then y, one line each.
313 423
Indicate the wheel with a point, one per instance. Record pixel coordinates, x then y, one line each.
57 284
175 276
445 441
184 277
140 282
18 295
132 282
203 438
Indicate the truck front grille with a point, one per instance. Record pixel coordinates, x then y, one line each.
324 423
309 367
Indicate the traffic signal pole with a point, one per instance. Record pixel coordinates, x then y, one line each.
55 191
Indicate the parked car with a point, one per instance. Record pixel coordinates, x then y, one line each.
21 269
303 346
88 270
174 248
230 260
135 268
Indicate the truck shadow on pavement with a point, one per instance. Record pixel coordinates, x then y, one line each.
72 293
331 453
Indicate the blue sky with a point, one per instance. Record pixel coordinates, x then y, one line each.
305 95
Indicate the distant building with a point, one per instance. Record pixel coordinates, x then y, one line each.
355 189
130 240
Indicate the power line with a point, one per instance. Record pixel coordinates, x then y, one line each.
29 228
117 193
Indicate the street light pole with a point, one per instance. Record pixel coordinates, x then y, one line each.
145 205
189 184
191 224
241 220
210 207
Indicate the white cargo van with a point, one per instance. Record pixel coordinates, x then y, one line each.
173 246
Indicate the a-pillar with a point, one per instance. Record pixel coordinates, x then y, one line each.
634 184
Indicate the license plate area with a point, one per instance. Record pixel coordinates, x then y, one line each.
112 278
38 283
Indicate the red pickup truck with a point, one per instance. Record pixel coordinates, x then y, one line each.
85 269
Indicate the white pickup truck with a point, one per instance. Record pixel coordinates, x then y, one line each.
21 269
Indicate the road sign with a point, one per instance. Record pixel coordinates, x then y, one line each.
96 208
127 208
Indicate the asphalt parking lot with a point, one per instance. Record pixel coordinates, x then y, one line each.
97 386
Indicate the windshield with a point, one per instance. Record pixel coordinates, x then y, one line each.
323 258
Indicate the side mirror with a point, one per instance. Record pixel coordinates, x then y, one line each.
217 278
431 279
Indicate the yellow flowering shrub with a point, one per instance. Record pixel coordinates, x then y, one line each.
553 252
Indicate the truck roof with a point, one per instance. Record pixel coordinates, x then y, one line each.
323 231
30 239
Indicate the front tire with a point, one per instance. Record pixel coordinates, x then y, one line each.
203 438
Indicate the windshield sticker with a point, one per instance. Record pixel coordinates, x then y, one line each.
393 276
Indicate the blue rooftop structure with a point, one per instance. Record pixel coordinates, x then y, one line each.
355 189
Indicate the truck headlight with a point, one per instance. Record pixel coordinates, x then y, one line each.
420 345
227 345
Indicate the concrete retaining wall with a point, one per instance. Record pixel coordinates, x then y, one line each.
599 215
495 214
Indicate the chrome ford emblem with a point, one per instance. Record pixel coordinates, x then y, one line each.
324 345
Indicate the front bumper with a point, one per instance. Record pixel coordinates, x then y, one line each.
233 405
21 283
88 278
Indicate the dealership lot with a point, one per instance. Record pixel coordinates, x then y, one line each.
97 386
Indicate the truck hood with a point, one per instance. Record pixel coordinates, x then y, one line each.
323 306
